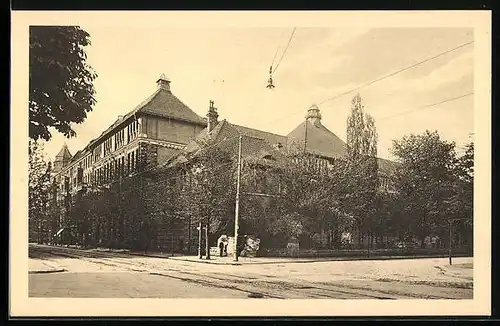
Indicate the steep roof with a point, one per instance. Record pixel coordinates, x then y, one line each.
267 136
161 103
225 137
165 104
320 140
63 154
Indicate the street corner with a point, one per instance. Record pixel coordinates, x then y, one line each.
39 266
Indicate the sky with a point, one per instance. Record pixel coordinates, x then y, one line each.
230 66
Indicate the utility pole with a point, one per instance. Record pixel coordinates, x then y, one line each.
199 239
449 243
237 208
207 243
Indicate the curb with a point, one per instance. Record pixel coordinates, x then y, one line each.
47 271
310 260
302 260
150 255
203 261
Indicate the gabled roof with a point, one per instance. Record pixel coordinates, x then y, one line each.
225 137
165 104
320 140
267 136
63 154
161 103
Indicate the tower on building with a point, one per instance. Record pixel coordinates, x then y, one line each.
62 158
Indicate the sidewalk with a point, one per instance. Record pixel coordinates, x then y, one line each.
38 266
241 260
285 260
229 260
134 253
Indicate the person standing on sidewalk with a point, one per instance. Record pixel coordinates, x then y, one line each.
221 248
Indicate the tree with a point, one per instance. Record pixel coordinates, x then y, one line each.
38 190
61 90
461 205
163 196
313 195
465 172
362 141
425 181
211 177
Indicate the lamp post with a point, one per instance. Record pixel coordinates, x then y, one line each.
199 240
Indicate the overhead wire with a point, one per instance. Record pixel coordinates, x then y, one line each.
275 54
427 106
383 77
396 72
284 52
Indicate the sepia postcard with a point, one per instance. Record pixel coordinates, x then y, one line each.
250 163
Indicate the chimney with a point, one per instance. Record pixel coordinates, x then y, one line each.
212 116
163 83
313 115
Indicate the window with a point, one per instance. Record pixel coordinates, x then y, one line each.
119 138
107 146
132 159
133 130
79 177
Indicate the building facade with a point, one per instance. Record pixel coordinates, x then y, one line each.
160 128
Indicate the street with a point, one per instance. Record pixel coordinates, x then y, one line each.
86 273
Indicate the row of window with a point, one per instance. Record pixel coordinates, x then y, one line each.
118 167
385 184
102 150
120 138
97 153
87 162
133 130
108 146
116 141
